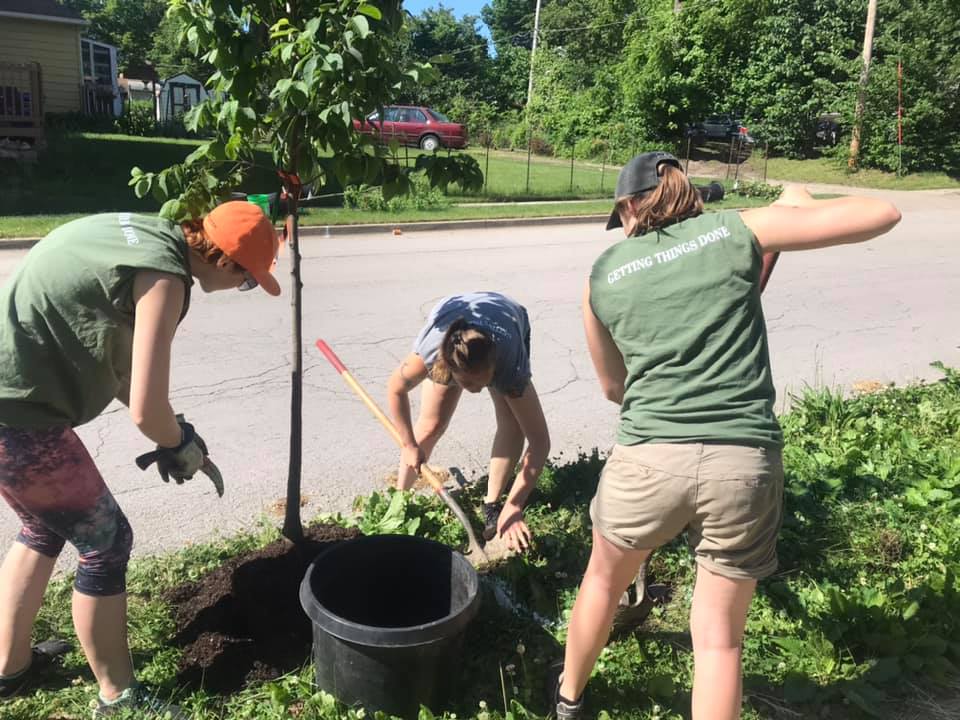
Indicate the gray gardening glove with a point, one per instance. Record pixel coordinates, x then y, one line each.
183 461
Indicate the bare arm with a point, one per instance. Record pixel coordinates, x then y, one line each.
159 303
412 372
607 360
529 415
799 222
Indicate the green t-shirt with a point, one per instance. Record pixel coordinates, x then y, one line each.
683 306
66 316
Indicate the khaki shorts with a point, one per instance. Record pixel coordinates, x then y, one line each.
729 497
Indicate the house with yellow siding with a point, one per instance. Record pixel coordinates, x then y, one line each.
45 35
47 66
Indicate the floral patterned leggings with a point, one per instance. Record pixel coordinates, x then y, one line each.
52 484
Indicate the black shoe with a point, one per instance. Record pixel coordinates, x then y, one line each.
41 657
566 709
491 514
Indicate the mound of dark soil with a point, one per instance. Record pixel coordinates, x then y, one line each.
242 622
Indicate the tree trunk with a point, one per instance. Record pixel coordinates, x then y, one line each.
854 159
292 526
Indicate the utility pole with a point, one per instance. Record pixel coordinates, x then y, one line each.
533 52
854 158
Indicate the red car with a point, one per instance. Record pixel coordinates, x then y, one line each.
413 125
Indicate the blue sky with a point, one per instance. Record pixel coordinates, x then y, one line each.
459 7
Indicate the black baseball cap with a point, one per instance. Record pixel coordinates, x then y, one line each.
639 176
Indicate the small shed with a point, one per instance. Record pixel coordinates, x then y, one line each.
177 95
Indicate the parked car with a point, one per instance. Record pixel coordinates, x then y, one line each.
424 127
829 128
718 127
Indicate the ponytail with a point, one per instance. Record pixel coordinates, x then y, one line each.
464 349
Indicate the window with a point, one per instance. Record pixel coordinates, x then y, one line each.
439 116
417 116
97 62
391 114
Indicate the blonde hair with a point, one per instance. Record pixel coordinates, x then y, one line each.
198 241
465 349
673 200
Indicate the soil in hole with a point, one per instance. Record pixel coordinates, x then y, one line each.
242 623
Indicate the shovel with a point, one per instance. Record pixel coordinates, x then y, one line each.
475 548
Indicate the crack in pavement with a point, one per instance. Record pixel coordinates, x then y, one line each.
228 380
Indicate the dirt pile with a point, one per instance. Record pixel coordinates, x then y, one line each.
242 622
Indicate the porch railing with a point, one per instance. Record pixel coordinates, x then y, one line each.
21 100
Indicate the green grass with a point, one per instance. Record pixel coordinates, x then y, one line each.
830 171
342 216
87 173
32 226
27 226
863 612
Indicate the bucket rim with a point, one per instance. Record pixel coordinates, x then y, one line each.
408 636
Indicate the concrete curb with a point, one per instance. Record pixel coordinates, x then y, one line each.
18 243
325 231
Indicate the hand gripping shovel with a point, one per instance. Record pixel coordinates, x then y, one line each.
475 548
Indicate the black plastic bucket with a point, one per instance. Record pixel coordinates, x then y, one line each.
389 614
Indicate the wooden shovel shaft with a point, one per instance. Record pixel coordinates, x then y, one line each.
431 477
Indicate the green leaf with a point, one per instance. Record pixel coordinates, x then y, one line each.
333 61
199 154
371 11
173 210
193 40
309 69
362 25
232 148
299 94
911 610
142 187
313 25
191 119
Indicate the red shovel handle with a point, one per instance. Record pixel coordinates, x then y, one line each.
330 355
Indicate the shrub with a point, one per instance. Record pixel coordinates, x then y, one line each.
421 197
138 119
751 188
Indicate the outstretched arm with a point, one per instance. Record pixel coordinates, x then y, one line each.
799 222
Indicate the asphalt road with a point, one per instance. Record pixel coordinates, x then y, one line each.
881 311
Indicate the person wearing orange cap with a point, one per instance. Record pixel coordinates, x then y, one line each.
90 316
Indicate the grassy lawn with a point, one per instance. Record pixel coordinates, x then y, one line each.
830 171
341 216
862 618
87 173
24 226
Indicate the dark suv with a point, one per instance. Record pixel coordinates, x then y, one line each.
718 127
414 125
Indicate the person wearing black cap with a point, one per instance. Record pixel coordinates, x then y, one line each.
676 333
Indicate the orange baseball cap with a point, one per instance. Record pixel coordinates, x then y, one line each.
246 236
